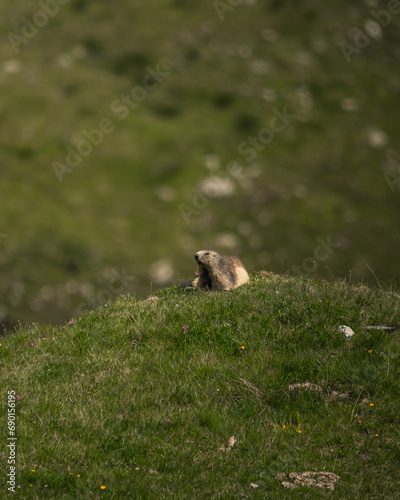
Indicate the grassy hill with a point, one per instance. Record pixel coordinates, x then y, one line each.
195 395
248 130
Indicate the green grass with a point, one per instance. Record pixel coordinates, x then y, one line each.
128 398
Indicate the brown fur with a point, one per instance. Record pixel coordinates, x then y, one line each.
218 272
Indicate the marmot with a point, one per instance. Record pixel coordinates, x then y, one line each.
218 272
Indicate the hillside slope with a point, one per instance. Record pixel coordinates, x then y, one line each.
195 395
181 127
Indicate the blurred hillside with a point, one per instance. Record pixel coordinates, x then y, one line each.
136 133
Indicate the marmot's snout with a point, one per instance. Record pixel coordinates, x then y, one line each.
197 258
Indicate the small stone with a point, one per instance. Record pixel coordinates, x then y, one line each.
348 332
289 486
337 396
310 478
253 485
377 138
307 386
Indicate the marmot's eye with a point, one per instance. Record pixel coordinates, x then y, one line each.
207 253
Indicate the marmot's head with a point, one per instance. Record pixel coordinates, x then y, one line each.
206 257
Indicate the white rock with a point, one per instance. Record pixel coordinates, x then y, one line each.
373 29
166 193
161 271
377 138
217 187
348 332
12 66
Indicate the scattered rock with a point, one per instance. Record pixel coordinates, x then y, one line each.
337 396
348 332
217 187
289 486
230 445
161 271
316 479
253 485
377 138
308 386
331 396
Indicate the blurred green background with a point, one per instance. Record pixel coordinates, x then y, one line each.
258 128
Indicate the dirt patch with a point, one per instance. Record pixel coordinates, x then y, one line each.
308 386
337 396
315 479
331 396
